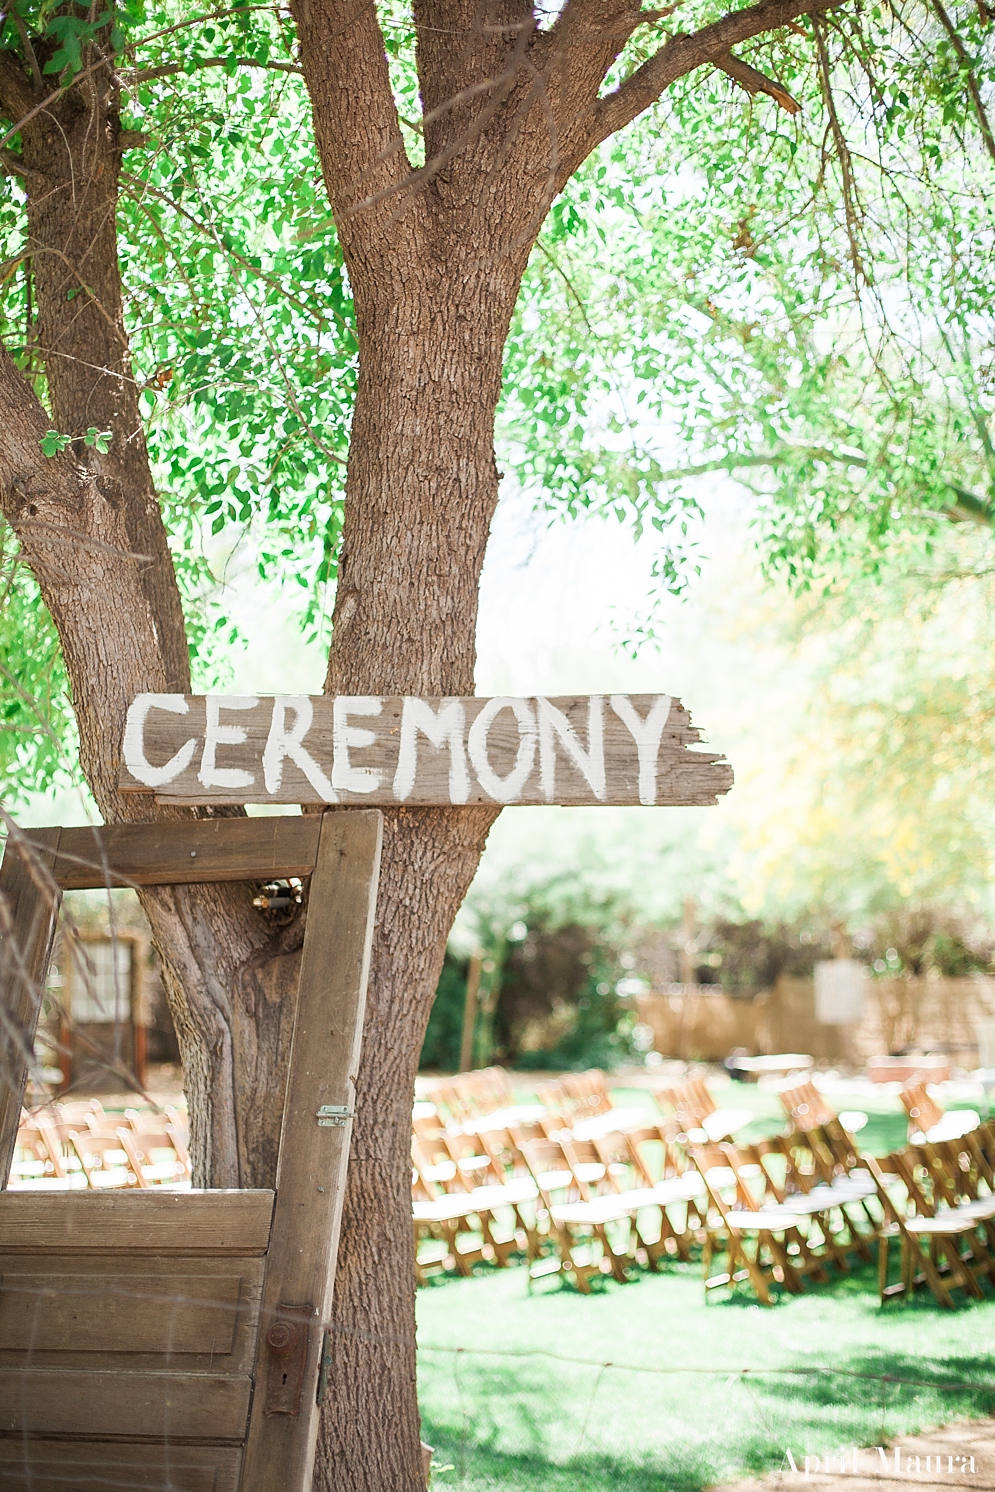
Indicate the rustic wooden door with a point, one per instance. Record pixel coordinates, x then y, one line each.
175 1341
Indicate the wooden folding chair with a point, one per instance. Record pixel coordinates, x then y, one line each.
107 1160
577 1214
452 1218
161 1133
762 1241
954 1256
823 1159
698 1113
462 1164
929 1118
160 1156
38 1156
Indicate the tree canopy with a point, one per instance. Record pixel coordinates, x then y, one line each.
800 297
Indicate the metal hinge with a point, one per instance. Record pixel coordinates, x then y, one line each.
324 1366
331 1115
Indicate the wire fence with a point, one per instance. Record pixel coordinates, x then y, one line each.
501 1419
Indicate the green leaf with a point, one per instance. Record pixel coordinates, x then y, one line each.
52 442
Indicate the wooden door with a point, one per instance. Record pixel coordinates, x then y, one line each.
174 1341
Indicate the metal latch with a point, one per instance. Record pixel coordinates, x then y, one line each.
331 1115
287 1340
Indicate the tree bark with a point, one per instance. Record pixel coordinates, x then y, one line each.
421 491
91 526
71 154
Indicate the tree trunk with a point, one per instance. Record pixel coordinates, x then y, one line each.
422 488
72 161
91 526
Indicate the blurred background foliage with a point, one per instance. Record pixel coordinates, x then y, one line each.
799 303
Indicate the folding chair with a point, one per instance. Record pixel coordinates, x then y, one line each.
568 1177
163 1134
626 1173
835 1170
107 1160
952 1235
455 1218
459 1165
160 1156
695 1108
927 1117
35 1158
762 1241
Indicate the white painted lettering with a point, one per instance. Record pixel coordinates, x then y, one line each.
216 734
646 734
282 744
442 729
135 759
553 725
504 789
345 737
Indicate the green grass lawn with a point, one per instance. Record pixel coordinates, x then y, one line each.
528 1422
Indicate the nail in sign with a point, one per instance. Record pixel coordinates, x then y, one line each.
376 749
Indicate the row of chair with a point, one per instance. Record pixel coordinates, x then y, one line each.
577 1185
70 1145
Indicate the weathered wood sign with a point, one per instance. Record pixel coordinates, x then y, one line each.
359 749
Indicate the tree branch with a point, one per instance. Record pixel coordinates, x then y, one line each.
972 83
755 82
851 199
29 50
355 118
147 74
12 163
681 55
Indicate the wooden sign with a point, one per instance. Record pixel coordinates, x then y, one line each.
373 749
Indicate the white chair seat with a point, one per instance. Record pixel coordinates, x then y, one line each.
614 1122
946 1223
443 1209
76 1182
526 1113
953 1126
983 1208
767 1220
598 1210
726 1122
508 1194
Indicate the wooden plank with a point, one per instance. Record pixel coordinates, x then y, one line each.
72 1308
578 749
236 1223
29 906
153 1406
81 1466
313 1159
172 854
